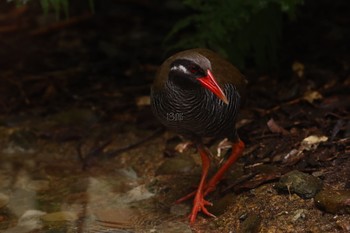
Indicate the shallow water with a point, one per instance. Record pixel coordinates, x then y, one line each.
43 188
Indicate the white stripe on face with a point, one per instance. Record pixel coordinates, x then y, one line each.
180 68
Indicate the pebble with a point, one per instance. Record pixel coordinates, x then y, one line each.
117 218
30 216
251 224
221 205
136 194
334 201
60 216
304 185
28 222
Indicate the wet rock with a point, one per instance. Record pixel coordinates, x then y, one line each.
30 215
179 164
304 185
333 201
22 200
136 194
117 218
173 227
220 206
28 222
3 200
60 216
251 224
31 218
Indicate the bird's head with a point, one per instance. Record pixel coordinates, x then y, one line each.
195 73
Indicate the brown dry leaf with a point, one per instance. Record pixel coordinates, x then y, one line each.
293 156
311 142
142 101
308 143
298 68
275 128
311 96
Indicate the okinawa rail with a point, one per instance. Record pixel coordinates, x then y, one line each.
197 94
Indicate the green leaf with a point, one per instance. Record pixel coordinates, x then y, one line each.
240 29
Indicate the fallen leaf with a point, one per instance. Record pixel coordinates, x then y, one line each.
298 69
312 142
275 128
311 96
143 101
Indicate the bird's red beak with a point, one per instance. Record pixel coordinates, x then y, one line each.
210 83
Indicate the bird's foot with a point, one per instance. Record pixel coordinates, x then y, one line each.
199 205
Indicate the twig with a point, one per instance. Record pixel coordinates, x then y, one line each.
98 151
114 153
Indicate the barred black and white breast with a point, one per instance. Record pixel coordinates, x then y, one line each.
197 94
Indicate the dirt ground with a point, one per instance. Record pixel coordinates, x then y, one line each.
80 150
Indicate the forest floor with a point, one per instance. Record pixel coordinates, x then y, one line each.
80 150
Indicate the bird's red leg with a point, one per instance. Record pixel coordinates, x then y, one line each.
199 202
237 150
205 188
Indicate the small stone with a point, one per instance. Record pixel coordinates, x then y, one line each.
117 218
60 216
136 194
334 201
30 215
251 224
31 219
220 206
3 200
28 222
304 185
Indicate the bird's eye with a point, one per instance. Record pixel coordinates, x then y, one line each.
194 69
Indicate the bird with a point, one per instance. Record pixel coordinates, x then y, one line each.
197 94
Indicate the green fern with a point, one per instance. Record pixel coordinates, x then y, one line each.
57 5
238 29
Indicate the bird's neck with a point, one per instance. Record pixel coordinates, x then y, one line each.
184 92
